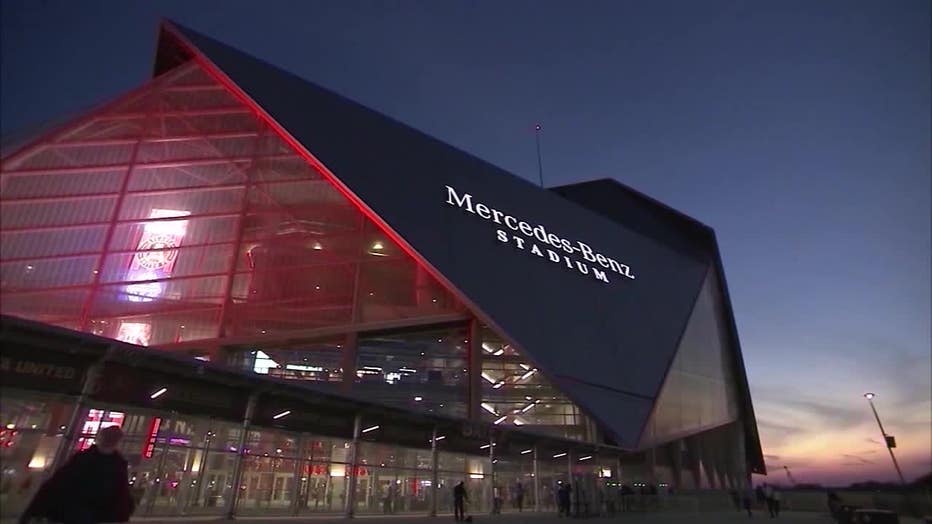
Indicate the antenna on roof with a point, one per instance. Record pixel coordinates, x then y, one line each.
540 165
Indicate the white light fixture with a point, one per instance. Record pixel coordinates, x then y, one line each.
488 377
158 393
282 414
488 407
487 446
418 399
441 437
587 457
500 420
525 452
558 455
370 428
528 374
498 384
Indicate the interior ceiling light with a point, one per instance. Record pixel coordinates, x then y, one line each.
525 452
500 420
528 374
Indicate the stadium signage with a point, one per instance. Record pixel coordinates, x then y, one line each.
573 255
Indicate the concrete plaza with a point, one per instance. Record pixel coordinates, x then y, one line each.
541 518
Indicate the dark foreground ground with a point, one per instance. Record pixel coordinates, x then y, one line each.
533 518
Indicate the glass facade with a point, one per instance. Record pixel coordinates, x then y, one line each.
699 391
515 392
177 215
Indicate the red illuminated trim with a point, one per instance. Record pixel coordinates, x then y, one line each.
152 433
217 74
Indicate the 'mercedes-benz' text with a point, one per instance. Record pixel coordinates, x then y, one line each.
536 240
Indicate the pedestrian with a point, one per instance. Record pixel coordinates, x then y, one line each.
519 496
748 500
92 487
564 495
768 498
459 501
776 497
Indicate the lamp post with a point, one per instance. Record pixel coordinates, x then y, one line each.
887 439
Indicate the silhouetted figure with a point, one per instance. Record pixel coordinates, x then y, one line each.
775 498
748 500
834 504
735 499
563 495
768 497
519 496
92 487
459 501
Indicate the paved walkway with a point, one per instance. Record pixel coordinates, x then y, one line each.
534 518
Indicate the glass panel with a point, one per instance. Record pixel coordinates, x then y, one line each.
515 392
699 389
420 370
317 361
211 194
30 435
35 185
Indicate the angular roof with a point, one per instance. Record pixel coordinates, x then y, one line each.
596 299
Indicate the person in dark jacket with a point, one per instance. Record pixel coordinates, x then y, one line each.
459 501
92 487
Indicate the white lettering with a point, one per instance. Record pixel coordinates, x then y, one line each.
454 200
599 274
536 250
483 211
502 236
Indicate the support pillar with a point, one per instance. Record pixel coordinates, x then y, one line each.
72 430
492 473
160 468
240 456
537 504
296 481
434 477
349 509
474 352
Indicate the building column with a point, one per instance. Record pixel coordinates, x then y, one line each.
296 481
348 361
73 429
349 509
160 468
692 452
240 456
492 472
474 354
434 476
675 452
536 476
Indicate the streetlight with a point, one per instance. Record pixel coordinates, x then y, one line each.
888 440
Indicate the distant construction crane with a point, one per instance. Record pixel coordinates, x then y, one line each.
789 476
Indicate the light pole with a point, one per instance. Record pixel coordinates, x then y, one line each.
887 439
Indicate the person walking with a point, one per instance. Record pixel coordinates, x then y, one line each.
767 490
92 487
459 501
775 498
748 500
519 496
564 496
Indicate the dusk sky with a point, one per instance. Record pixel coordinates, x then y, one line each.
799 130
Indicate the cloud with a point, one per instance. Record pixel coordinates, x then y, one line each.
771 457
857 458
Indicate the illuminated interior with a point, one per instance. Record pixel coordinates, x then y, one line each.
177 218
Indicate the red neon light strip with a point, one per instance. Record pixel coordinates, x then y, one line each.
217 74
152 433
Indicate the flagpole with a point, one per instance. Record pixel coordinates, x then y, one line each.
540 165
